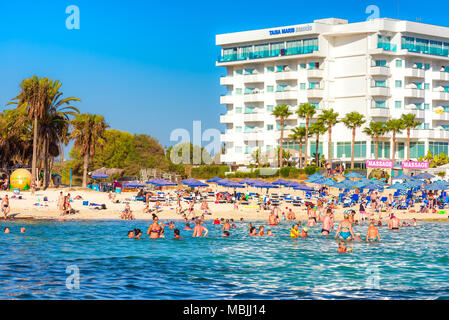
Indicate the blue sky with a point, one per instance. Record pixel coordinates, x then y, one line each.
147 66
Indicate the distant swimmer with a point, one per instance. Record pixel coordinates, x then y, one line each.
6 230
177 234
137 233
270 233
394 223
187 228
226 225
304 232
344 231
225 234
261 231
414 222
131 234
372 234
294 231
200 230
22 230
342 247
253 231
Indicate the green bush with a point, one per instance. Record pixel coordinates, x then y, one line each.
207 172
309 170
285 172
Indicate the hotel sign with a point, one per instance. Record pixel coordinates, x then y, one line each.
290 30
415 165
379 163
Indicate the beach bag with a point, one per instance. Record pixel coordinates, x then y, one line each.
103 206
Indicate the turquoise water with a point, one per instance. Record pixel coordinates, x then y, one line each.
410 264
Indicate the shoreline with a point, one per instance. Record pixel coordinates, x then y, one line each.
26 209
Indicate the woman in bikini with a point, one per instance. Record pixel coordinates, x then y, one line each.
344 231
155 230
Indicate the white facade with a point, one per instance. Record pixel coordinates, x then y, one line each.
381 68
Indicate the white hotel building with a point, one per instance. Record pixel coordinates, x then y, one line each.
381 68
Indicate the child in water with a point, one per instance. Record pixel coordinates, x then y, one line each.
342 247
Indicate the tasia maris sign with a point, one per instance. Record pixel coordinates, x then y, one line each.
390 164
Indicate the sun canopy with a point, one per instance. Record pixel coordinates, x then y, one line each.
134 184
353 175
100 175
424 176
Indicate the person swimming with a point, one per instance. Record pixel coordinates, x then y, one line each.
225 234
137 233
342 247
177 234
261 231
304 233
253 231
294 231
155 230
6 230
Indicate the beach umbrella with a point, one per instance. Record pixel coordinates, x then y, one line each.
402 177
327 182
436 186
353 174
197 184
233 184
302 187
100 175
398 186
246 181
424 176
315 175
214 179
134 184
280 182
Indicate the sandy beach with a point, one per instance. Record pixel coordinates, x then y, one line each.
33 207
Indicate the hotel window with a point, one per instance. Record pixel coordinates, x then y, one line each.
313 148
380 83
302 86
294 47
314 85
261 51
250 109
381 104
426 126
400 148
398 104
315 104
269 147
276 48
417 65
344 148
238 149
445 108
426 86
417 149
419 85
245 52
281 88
238 90
270 69
438 147
426 66
302 65
270 108
238 110
239 71
445 127
426 106
399 63
249 71
238 129
314 65
381 63
398 83
270 127
270 88
419 106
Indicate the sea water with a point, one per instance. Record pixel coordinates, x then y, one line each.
96 260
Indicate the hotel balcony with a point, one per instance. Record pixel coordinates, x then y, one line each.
440 95
226 81
254 136
380 71
227 99
414 73
426 134
414 93
443 116
253 78
315 73
254 117
411 108
254 97
315 93
380 91
380 113
286 95
440 75
227 137
227 118
286 75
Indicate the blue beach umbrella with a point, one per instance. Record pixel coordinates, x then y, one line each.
134 184
100 175
302 187
353 174
424 176
402 177
214 179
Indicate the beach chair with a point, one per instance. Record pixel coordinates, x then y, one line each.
341 197
396 193
355 198
308 195
347 203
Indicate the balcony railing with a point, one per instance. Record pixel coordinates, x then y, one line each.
386 46
425 49
267 54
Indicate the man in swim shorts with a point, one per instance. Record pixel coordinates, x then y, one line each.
5 206
272 220
372 234
394 223
328 224
199 230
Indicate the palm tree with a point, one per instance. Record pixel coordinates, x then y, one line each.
281 112
298 134
318 129
409 121
256 155
374 130
329 118
353 120
88 132
306 111
394 126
